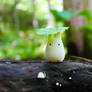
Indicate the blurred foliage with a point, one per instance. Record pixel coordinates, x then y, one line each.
21 46
21 43
24 13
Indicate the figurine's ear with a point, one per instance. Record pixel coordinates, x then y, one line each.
50 38
58 35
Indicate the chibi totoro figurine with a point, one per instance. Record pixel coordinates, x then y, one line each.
55 49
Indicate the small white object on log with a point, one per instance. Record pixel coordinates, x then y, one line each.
41 75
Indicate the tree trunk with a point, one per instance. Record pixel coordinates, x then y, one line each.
50 16
16 16
77 22
90 5
34 21
59 77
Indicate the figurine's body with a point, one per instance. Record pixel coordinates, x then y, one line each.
55 49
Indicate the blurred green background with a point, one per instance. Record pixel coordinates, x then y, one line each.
19 20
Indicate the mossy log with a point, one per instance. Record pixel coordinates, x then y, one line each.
69 76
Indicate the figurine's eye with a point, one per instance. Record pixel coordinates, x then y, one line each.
50 44
58 44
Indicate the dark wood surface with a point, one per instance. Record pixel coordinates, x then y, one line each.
71 76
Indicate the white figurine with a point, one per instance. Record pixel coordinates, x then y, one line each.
55 48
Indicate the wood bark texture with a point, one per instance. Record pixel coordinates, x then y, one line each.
69 76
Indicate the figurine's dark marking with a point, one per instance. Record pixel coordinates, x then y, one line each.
59 44
50 44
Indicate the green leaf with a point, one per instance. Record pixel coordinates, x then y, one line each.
88 27
47 31
62 15
86 14
66 15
